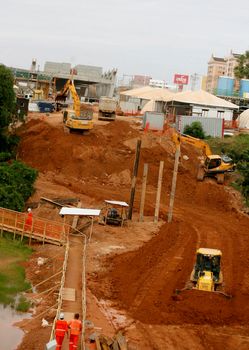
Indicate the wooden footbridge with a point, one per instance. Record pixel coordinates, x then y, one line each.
40 230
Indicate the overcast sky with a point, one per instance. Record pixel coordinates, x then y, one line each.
152 37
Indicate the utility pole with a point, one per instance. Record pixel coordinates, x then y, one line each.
173 187
159 188
134 179
143 192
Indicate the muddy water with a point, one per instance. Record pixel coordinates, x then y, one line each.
10 335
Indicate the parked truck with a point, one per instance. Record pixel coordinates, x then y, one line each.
107 108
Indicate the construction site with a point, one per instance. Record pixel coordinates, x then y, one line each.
129 279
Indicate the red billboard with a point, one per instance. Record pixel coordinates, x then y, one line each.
181 79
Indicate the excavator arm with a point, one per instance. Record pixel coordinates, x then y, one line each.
69 86
179 138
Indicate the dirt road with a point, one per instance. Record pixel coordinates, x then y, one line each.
131 283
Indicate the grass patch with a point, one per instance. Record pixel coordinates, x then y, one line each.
22 304
12 274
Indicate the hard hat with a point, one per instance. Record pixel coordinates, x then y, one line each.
61 316
29 210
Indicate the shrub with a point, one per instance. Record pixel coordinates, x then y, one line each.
16 184
237 148
195 130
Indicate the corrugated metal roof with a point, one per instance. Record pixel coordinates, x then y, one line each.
202 98
134 92
79 211
149 93
122 204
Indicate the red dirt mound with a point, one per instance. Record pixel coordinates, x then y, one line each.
143 282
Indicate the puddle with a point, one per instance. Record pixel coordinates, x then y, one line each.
10 335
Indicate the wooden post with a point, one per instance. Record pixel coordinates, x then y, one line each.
159 189
76 218
44 233
15 226
91 230
134 179
173 187
143 193
2 221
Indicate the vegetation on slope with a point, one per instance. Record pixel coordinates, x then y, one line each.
12 274
237 148
16 179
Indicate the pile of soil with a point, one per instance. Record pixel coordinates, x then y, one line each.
143 282
101 158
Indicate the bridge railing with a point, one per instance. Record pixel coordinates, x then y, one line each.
38 228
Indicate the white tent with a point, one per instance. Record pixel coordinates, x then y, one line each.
202 98
137 91
149 93
149 107
244 120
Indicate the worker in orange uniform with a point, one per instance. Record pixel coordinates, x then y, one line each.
92 345
28 221
75 327
61 328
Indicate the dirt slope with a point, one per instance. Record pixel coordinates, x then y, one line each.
142 282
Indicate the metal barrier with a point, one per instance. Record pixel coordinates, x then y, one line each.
59 302
40 229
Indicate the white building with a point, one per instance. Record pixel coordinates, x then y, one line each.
158 83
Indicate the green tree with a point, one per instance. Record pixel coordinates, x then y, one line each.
194 130
7 97
16 184
241 71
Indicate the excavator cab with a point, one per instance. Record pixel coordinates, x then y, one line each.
207 274
212 163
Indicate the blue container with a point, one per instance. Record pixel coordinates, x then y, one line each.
225 86
244 87
45 107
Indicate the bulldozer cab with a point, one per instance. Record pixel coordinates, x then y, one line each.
207 260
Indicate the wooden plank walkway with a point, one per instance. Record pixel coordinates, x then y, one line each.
41 229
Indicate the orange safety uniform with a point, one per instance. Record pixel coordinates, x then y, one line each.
75 329
92 346
61 328
28 222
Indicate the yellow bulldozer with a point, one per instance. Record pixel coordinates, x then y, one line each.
213 165
207 274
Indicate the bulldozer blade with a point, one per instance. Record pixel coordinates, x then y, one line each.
228 296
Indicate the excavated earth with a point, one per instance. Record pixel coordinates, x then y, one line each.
136 270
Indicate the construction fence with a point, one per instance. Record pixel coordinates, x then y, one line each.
38 228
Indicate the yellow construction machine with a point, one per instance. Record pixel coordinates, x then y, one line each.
207 274
213 165
74 119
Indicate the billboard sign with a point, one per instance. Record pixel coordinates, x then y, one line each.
181 79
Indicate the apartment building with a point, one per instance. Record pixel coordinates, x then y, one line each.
220 66
216 68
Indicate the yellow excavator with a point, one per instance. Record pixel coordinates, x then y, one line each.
213 165
74 119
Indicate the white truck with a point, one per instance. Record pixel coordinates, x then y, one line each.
107 108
